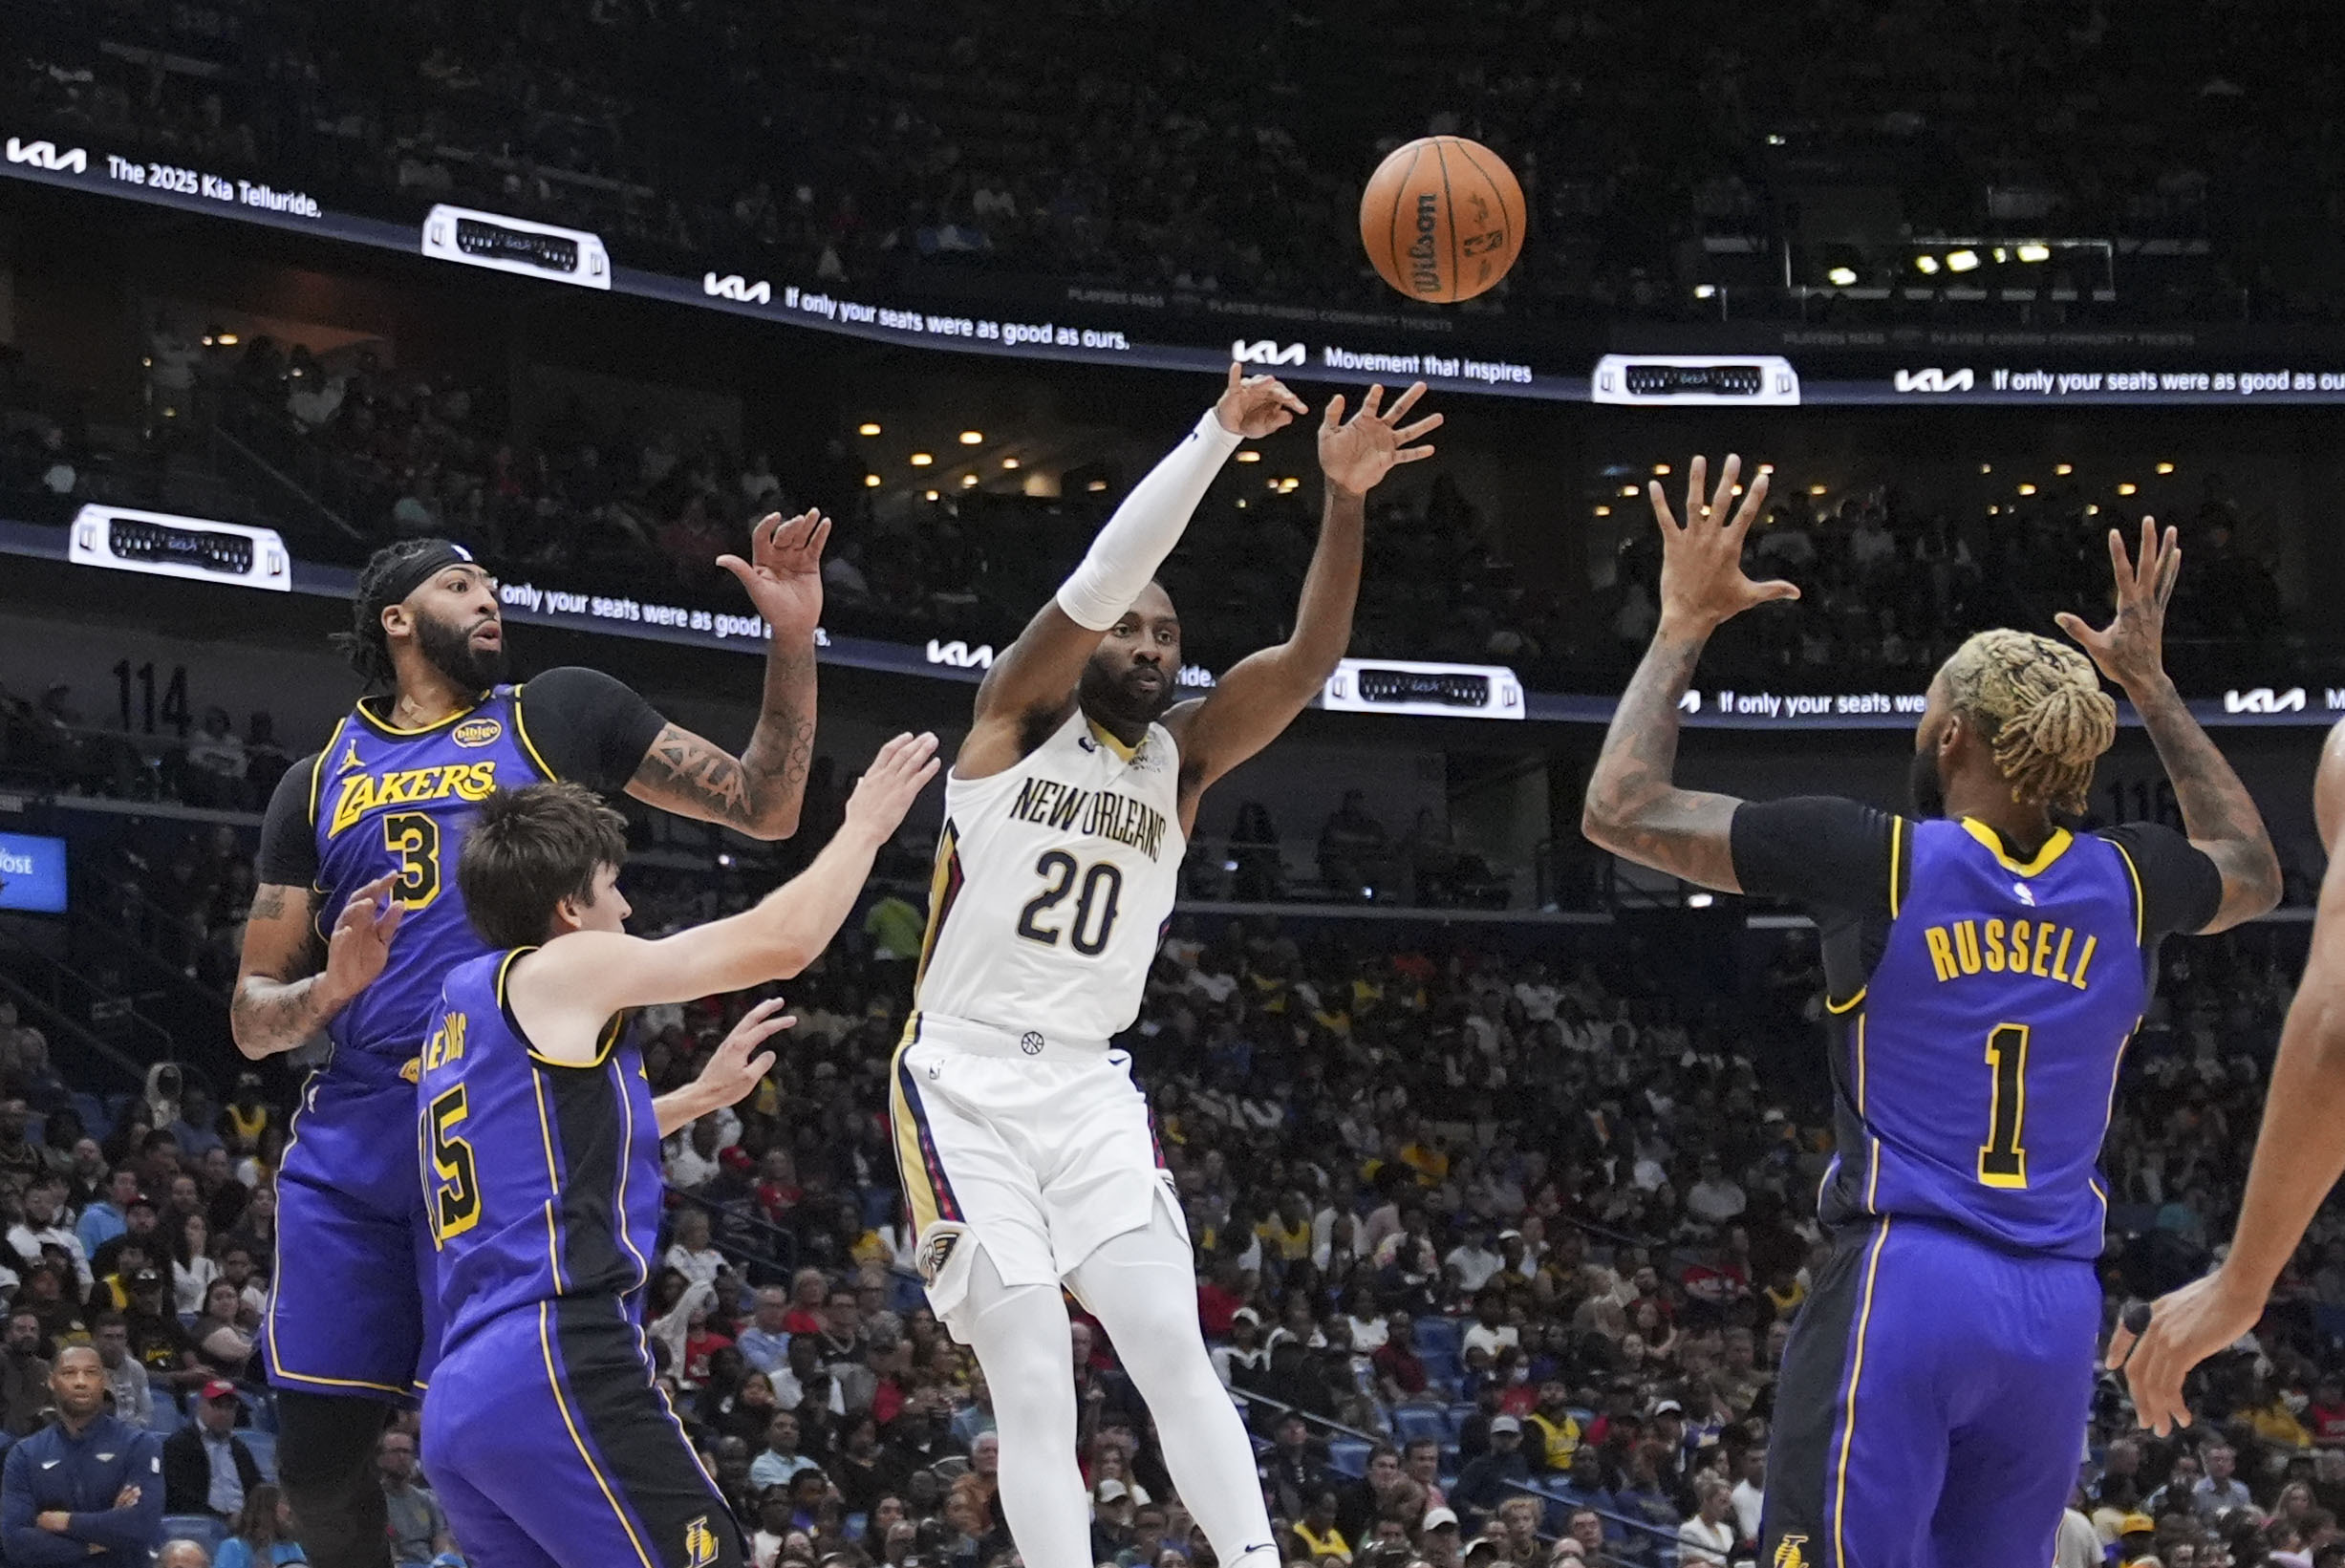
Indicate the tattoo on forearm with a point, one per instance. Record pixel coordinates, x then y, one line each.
276 1015
697 779
2217 809
781 748
1634 806
268 904
761 790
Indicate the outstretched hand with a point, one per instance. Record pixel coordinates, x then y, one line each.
783 573
1355 454
359 944
891 783
2131 649
1253 406
2185 1327
737 1066
1702 581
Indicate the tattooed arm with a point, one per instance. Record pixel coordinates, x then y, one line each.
760 791
2217 811
284 996
1633 807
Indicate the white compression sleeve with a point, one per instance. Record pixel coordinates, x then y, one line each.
1144 529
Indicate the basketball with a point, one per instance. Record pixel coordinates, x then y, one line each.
1442 219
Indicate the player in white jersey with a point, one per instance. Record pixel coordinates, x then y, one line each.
1026 1152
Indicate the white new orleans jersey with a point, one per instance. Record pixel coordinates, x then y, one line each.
1054 880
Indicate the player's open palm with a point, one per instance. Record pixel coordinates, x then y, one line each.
1702 581
1253 406
1356 453
2131 649
890 785
783 573
359 944
737 1065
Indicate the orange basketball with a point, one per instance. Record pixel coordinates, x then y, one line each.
1442 219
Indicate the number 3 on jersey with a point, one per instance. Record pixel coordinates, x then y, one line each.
413 840
1102 885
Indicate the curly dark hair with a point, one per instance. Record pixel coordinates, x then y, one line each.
365 644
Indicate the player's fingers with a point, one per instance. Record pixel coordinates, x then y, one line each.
2146 570
1661 520
763 1010
1404 402
1236 371
2120 1346
1754 501
1293 402
1369 404
1697 488
738 566
2074 626
1412 454
360 905
762 1063
389 924
1722 498
1420 430
821 537
2120 561
1334 414
1772 590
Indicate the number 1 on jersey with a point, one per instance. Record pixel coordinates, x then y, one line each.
1102 884
2003 1159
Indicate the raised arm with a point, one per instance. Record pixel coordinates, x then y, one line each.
1264 693
760 791
2299 1157
569 989
284 996
2217 811
1634 808
1031 684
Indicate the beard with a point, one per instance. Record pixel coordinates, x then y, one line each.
1926 785
1119 700
450 650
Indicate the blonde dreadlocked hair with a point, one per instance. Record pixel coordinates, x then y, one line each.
2038 704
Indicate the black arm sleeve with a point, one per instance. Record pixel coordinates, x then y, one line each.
1822 850
2181 887
588 727
288 838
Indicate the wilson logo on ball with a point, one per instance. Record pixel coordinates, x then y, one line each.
1442 219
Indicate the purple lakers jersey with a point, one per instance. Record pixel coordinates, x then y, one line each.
1980 1058
541 1181
385 801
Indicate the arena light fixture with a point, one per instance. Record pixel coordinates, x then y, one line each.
2034 250
867 428
1096 486
1841 278
2127 488
1661 470
1817 491
968 481
1926 265
2001 255
1767 467
1986 467
973 437
1699 900
2166 469
1705 291
1603 511
1249 455
2092 509
1009 462
2027 489
871 481
2063 469
929 495
921 460
1962 261
1628 492
228 340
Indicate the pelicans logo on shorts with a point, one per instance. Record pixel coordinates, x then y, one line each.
699 1543
936 1250
1790 1553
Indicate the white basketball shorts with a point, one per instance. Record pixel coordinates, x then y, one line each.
1033 1147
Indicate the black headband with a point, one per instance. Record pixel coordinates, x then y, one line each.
436 557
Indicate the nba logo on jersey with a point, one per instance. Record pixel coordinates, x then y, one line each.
699 1543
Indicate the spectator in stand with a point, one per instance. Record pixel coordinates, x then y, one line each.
2220 1490
206 1468
126 1380
43 1227
25 1379
780 1463
85 1488
693 1255
1352 847
217 764
418 1526
261 1534
765 1345
1485 1480
1707 1538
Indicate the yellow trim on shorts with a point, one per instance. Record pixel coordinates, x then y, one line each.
910 1169
553 1380
1848 1427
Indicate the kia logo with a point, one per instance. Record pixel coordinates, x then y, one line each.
45 155
959 656
1264 352
734 286
2264 700
1932 379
